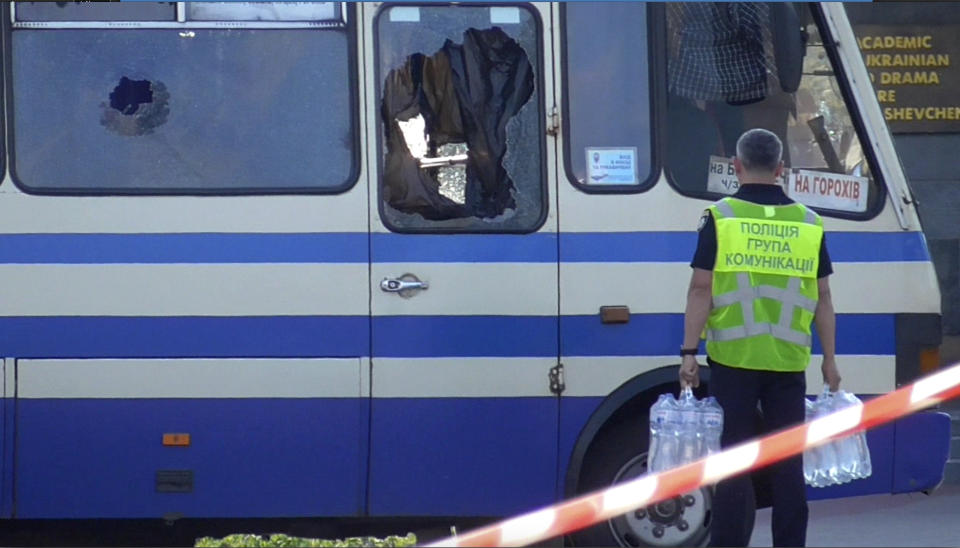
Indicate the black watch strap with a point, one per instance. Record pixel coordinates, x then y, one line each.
688 351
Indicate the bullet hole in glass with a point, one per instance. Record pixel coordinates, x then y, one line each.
130 94
135 107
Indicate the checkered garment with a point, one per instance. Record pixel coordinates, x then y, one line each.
719 51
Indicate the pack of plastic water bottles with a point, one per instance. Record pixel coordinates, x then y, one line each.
841 460
683 430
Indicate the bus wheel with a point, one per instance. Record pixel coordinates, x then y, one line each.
618 454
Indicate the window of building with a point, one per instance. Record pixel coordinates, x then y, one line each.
606 89
461 118
735 66
161 97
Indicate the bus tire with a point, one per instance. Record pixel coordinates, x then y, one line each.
619 453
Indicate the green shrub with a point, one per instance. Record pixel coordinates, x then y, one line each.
280 540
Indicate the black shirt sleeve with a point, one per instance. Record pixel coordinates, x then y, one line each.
825 267
706 254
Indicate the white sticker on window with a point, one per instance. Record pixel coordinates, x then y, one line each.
722 178
405 14
612 166
262 11
829 190
505 15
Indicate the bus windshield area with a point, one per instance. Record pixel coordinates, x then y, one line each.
735 66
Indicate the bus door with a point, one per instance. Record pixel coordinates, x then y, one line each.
619 249
464 260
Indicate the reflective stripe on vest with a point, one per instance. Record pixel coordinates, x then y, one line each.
745 294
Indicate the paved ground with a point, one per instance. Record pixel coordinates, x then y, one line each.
879 520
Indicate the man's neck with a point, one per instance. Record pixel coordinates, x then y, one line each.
758 176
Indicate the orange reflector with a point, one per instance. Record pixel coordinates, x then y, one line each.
176 440
929 360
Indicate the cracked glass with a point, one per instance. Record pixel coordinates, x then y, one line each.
461 118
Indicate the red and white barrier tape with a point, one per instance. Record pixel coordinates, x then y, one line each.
624 497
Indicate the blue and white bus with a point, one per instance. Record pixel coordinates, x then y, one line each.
381 259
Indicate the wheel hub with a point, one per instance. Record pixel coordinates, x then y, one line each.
679 521
666 512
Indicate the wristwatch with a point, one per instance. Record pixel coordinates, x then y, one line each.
688 351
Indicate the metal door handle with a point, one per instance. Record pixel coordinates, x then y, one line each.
394 285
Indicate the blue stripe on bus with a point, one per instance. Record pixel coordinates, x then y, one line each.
347 247
249 457
184 337
540 247
393 336
657 335
679 246
352 247
464 336
304 457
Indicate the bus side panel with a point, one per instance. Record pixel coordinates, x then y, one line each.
575 412
147 438
257 457
922 448
462 456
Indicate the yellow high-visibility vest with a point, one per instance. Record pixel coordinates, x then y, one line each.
764 285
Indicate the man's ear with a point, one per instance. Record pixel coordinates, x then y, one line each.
737 166
779 171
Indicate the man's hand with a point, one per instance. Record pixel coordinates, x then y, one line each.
689 372
831 375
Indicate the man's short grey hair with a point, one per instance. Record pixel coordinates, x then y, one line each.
759 150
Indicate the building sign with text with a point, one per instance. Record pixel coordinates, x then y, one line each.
914 72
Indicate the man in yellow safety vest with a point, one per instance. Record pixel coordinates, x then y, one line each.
760 279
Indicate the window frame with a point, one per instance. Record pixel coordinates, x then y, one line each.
181 21
349 27
830 47
656 63
541 98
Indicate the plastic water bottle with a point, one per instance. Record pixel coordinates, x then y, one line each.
811 457
861 466
711 420
847 449
658 419
863 452
664 420
829 471
690 434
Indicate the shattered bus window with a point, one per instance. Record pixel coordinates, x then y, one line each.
461 121
453 178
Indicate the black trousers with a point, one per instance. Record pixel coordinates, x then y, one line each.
781 400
